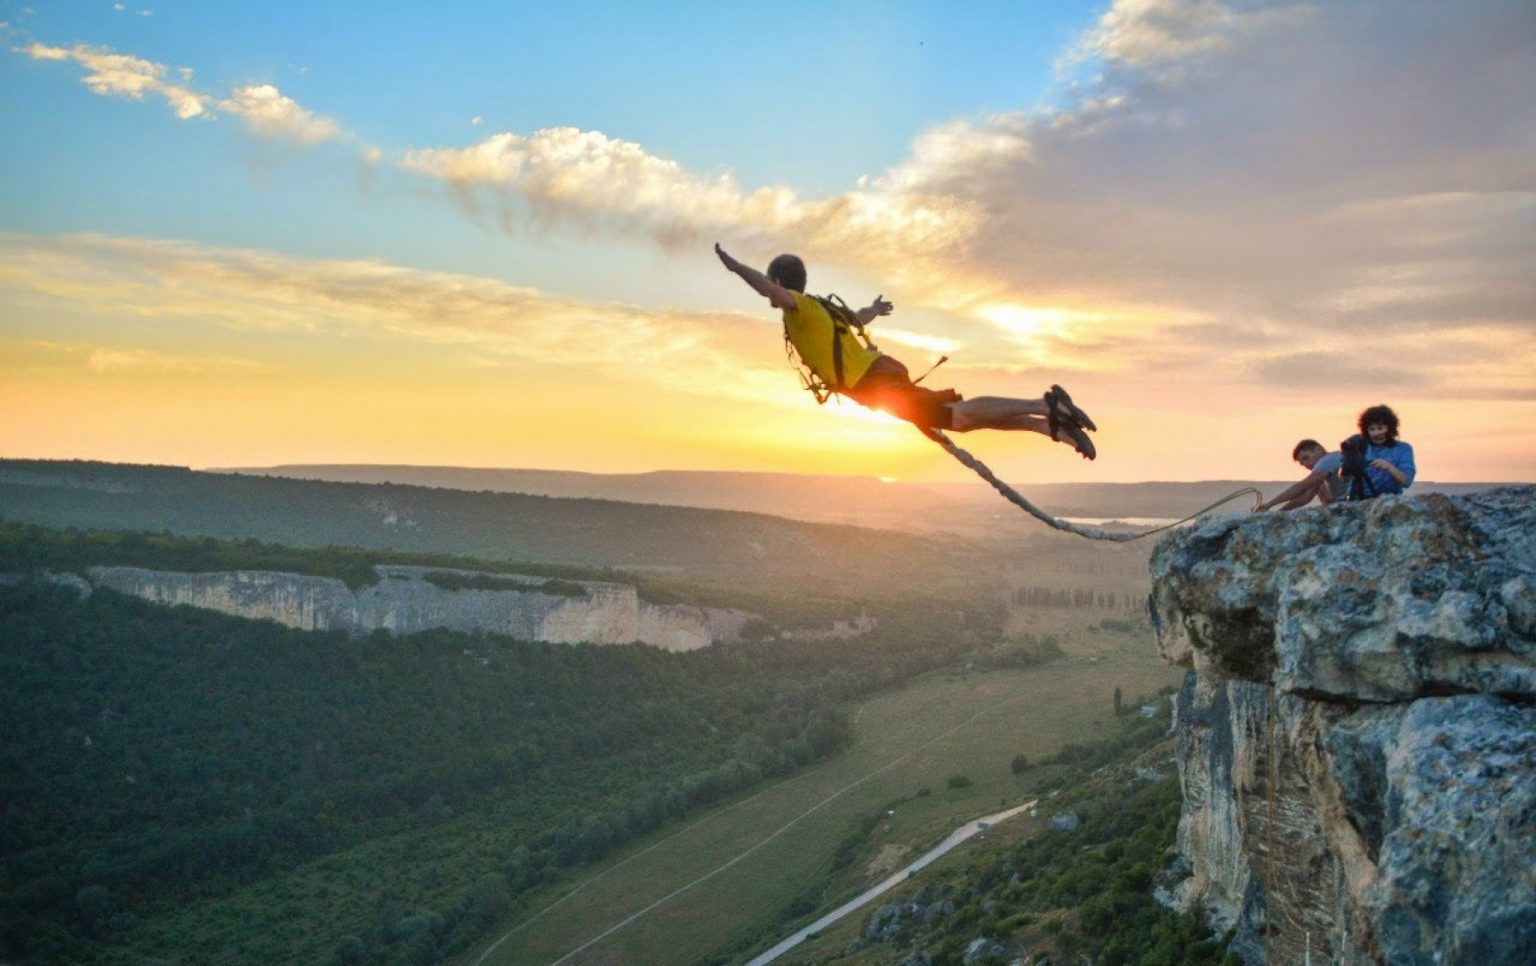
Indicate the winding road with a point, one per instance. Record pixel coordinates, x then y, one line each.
964 832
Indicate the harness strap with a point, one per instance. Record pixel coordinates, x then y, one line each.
844 320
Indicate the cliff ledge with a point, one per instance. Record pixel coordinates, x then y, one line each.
1357 733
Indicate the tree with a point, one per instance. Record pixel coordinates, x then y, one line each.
94 904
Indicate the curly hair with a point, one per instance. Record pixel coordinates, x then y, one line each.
1380 416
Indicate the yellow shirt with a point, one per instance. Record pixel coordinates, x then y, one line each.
810 329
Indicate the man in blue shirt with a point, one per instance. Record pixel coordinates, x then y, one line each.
1323 483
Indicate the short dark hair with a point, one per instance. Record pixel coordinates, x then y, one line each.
1382 416
1305 445
788 271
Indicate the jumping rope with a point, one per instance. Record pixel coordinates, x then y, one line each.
1092 533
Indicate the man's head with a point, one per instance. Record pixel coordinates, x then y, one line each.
788 271
1380 424
1308 452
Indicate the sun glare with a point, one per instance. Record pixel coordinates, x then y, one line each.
1025 323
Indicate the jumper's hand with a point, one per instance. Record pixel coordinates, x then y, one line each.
881 306
725 259
1383 465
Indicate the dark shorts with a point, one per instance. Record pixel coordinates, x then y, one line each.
887 386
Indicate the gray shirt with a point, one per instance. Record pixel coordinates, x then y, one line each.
1331 463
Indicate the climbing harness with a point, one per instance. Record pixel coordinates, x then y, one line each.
1092 533
844 320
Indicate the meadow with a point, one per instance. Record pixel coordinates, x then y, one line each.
923 759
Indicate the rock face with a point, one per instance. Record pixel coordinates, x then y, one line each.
404 601
1357 733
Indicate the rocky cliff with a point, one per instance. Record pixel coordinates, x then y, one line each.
407 600
1357 733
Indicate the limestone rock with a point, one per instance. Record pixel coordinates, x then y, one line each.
1382 601
1357 736
404 602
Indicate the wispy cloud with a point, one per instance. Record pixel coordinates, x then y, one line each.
588 178
267 112
122 75
198 287
103 360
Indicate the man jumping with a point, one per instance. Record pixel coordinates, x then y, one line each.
843 363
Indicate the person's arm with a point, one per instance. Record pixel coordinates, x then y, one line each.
1306 496
1400 467
874 310
1307 486
1385 465
778 295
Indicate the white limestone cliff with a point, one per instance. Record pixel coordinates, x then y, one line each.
405 602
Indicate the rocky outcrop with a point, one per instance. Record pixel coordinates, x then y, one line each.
406 601
1357 734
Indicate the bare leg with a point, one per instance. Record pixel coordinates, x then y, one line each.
998 412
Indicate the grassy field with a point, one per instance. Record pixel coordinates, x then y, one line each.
724 884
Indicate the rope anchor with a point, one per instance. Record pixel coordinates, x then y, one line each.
1092 533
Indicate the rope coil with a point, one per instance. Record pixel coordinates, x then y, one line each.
1092 533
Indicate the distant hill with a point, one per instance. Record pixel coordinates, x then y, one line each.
858 500
685 541
861 500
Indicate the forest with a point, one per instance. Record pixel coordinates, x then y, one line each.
158 758
688 542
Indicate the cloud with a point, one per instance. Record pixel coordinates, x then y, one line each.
1241 187
267 112
104 360
1156 34
1315 369
201 287
122 75
586 178
1216 175
110 360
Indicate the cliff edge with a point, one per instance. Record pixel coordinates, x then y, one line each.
1357 734
407 601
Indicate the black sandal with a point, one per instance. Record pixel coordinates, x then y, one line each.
1074 431
1080 440
1078 416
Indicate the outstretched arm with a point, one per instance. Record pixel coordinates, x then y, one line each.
781 297
874 310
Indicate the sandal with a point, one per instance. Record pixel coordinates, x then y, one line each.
1077 415
1079 440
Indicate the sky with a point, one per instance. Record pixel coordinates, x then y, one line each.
482 234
